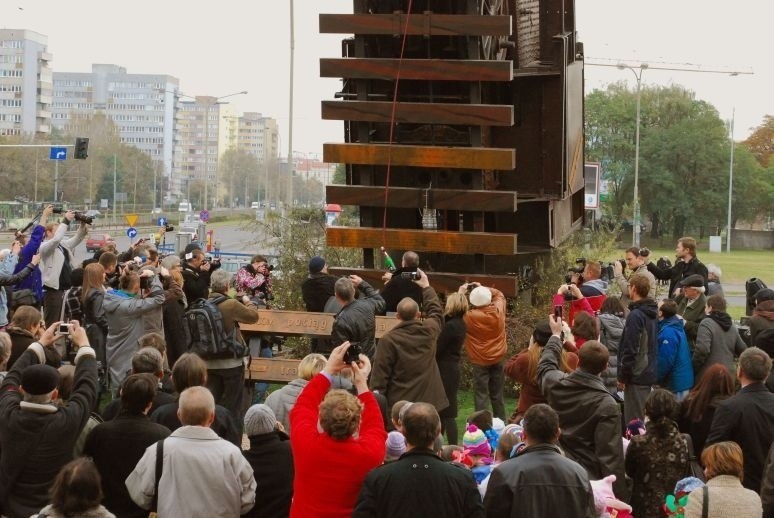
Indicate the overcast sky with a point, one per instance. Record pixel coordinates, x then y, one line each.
217 48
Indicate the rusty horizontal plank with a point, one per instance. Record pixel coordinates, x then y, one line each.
427 69
302 323
424 24
421 156
409 197
487 243
272 369
429 113
440 281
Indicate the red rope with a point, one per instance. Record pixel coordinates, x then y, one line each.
392 123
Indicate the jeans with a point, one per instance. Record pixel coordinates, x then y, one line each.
227 386
261 387
488 382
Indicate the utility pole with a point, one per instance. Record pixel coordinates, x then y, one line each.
730 184
290 109
114 189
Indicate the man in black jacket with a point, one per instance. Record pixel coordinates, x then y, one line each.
316 290
687 264
356 321
637 350
419 483
539 481
37 436
271 458
747 418
397 287
589 416
116 446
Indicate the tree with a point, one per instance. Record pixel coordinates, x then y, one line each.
240 172
761 141
683 163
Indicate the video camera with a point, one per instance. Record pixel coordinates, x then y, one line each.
169 228
581 261
79 216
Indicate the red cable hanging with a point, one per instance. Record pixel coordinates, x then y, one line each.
392 123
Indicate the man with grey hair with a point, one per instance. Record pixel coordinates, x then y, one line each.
356 320
713 280
691 305
145 361
747 418
202 474
225 376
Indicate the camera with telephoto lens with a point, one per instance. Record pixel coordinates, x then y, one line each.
79 216
410 275
581 265
353 353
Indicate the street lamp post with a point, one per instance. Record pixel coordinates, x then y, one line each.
636 201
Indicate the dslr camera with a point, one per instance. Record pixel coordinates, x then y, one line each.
353 353
79 216
411 275
580 265
169 228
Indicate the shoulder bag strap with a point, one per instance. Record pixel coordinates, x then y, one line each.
159 469
705 502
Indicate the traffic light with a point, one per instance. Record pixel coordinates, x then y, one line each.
81 148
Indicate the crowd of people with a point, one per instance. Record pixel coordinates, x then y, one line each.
628 405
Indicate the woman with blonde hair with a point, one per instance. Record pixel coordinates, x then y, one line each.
522 368
92 297
281 401
724 494
448 353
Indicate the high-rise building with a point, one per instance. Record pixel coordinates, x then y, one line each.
258 135
142 106
198 144
25 83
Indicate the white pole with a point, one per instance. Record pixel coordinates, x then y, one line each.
636 216
290 111
730 184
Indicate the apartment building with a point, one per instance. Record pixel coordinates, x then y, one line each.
25 83
258 135
142 106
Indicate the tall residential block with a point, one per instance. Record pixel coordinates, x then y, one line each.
25 83
258 135
142 106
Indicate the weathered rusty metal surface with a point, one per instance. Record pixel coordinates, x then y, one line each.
424 69
421 156
434 113
408 197
424 24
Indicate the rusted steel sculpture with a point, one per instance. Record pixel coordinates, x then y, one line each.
477 155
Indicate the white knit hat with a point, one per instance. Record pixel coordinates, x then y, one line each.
259 419
480 296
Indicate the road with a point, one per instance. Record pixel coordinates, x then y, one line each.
231 237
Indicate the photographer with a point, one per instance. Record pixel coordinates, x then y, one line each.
404 365
56 255
636 260
31 287
123 309
399 284
7 265
589 280
574 295
254 279
196 275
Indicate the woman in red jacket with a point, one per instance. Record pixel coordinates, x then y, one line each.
332 461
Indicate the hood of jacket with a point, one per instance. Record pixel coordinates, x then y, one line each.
612 323
647 306
722 318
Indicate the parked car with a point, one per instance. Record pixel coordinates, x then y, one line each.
93 213
97 241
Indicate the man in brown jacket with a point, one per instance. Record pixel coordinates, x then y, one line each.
485 345
404 365
226 377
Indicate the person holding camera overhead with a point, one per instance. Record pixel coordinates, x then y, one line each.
124 309
485 344
56 256
356 320
29 291
399 284
404 365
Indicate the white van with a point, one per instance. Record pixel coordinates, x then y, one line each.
255 205
184 207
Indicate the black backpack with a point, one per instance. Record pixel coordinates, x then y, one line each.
206 333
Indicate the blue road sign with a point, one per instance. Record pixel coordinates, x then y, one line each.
131 232
161 221
204 215
58 153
